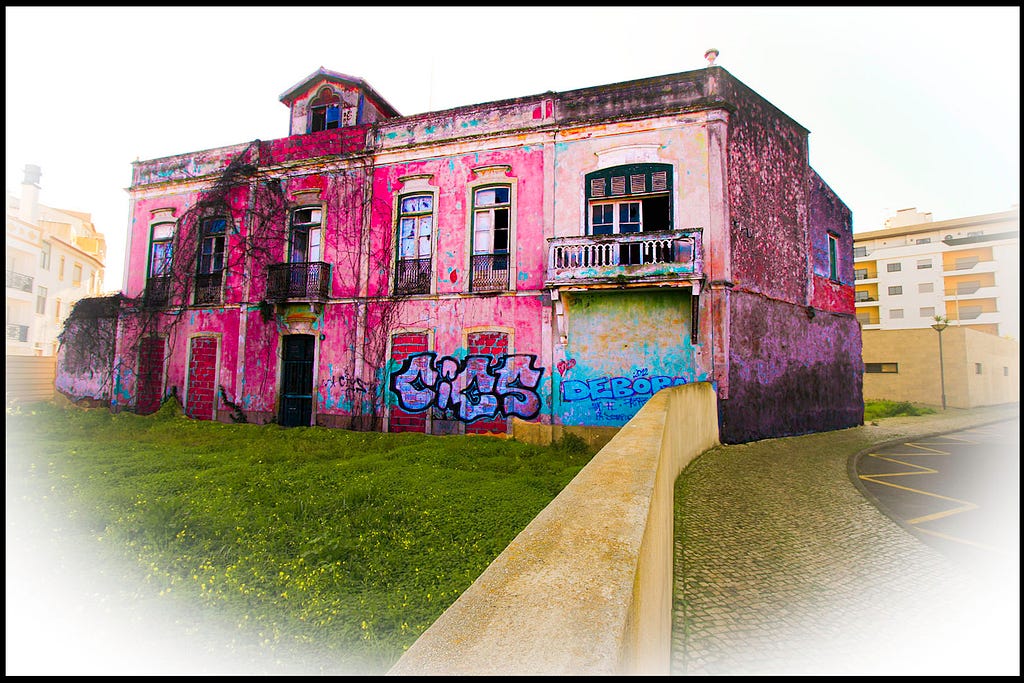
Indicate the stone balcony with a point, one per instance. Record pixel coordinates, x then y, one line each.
633 259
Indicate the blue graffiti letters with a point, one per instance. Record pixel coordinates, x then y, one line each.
617 387
479 387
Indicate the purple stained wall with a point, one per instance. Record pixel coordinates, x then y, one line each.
794 357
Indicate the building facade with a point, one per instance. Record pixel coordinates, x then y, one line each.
521 267
54 258
966 270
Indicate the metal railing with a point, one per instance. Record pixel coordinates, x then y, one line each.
489 272
208 289
308 281
19 281
158 292
412 276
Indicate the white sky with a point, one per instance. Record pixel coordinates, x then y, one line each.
907 107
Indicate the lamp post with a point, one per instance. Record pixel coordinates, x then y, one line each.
939 326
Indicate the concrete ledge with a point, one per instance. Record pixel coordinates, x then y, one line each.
586 587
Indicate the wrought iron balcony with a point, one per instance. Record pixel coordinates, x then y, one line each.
639 258
412 276
19 281
18 333
299 281
158 292
489 273
207 289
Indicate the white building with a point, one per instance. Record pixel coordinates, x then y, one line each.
54 258
965 269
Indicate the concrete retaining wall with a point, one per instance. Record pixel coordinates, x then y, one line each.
586 587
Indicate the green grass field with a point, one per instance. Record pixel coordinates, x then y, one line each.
350 543
876 409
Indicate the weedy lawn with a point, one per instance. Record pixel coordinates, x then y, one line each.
348 543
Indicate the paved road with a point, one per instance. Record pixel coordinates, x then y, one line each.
958 493
785 567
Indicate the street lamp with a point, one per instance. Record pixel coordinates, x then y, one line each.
939 326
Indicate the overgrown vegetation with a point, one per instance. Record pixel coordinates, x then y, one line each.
877 409
350 543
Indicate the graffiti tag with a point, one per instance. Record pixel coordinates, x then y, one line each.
617 387
566 365
476 388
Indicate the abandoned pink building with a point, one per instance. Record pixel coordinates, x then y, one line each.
523 267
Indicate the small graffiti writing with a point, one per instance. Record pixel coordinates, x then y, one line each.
348 385
617 387
566 365
476 388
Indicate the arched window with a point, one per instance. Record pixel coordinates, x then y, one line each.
325 110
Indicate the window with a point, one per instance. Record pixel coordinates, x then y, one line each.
925 287
491 214
882 367
864 318
325 111
975 233
862 296
895 290
415 238
76 275
628 199
56 312
41 294
893 267
924 263
44 255
860 274
210 264
860 251
60 271
966 262
304 240
159 277
924 240
1006 371
833 257
977 368
968 287
896 313
927 311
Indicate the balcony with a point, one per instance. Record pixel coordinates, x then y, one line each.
489 273
972 292
207 289
158 292
412 276
18 281
639 258
299 281
17 333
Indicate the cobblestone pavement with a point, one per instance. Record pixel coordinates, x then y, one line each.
784 567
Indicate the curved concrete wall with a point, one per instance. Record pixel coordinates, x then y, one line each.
586 587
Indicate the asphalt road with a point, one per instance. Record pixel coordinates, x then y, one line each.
957 492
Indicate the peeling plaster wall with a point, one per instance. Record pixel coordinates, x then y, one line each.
829 215
623 347
790 374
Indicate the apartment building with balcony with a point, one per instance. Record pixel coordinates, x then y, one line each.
522 267
54 257
965 270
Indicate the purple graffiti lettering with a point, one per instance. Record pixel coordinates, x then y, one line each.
415 381
480 387
517 384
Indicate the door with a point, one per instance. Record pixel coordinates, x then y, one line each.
151 375
297 381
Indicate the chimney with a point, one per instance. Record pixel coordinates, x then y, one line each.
28 207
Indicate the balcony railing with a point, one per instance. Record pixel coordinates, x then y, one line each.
18 281
412 276
308 281
158 292
638 256
489 273
208 289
